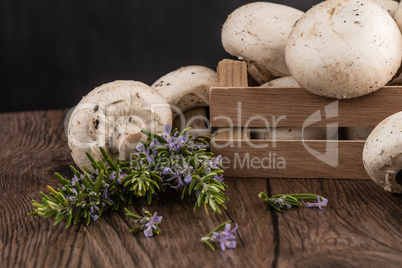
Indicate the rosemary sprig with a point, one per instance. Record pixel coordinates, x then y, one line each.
281 201
223 235
149 223
172 160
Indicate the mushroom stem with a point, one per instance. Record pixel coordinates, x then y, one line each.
128 140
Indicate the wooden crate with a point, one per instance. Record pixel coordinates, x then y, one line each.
233 104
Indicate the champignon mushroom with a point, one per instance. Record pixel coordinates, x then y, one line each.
112 116
344 49
286 81
382 154
388 5
398 16
186 88
291 133
257 33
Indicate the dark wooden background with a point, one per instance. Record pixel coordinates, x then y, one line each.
54 52
360 227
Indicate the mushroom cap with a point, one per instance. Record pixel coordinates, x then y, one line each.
257 32
388 5
382 153
398 16
112 116
286 81
344 49
186 87
258 73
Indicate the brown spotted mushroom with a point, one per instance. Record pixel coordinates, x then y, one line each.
187 91
382 154
112 116
344 49
257 33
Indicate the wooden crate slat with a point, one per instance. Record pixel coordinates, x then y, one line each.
232 73
299 163
234 106
295 105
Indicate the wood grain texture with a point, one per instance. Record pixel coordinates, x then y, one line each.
235 107
291 158
292 107
360 227
352 231
232 73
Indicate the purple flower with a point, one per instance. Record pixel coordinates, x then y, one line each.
215 164
141 148
180 142
92 212
176 175
226 238
74 180
153 145
104 195
280 202
219 178
112 176
168 138
320 203
150 223
188 178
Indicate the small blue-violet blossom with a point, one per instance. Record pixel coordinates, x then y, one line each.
153 145
180 142
321 202
141 148
92 212
280 202
168 138
112 176
215 164
176 175
150 224
226 238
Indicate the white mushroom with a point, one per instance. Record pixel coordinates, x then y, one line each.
112 116
186 88
257 33
388 5
291 133
398 16
344 49
286 81
382 154
397 79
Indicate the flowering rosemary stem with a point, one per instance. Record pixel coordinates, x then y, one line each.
280 201
171 160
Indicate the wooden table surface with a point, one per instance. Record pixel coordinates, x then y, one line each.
360 227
